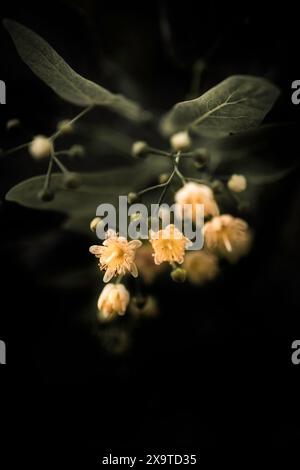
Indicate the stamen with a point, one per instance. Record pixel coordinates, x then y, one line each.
227 243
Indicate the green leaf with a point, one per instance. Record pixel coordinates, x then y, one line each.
238 103
79 205
50 67
266 144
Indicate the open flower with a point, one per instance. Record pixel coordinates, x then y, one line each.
227 236
201 266
113 301
116 256
169 244
193 194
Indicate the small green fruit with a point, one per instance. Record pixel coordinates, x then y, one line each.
46 195
178 275
72 180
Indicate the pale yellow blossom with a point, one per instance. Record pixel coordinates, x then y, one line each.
169 244
227 236
116 256
201 266
193 194
113 301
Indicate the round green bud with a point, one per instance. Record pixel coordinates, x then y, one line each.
143 306
72 180
201 156
46 195
139 148
163 178
136 216
76 151
132 197
217 186
12 123
178 275
65 126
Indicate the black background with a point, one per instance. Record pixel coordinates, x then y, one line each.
213 374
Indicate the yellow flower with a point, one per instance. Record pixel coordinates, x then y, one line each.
116 256
227 236
201 266
194 193
113 301
169 244
237 183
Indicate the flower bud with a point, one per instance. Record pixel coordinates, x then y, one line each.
72 180
163 178
40 147
143 307
76 151
46 195
94 223
132 197
178 275
12 123
65 126
113 300
217 186
201 156
136 216
180 141
139 148
237 183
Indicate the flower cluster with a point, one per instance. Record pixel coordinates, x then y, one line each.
225 236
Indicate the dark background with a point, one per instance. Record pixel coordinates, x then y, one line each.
213 373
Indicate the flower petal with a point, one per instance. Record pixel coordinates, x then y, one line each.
135 244
95 249
133 270
108 275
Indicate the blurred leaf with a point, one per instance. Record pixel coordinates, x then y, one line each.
260 179
58 75
80 204
238 103
101 139
265 146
